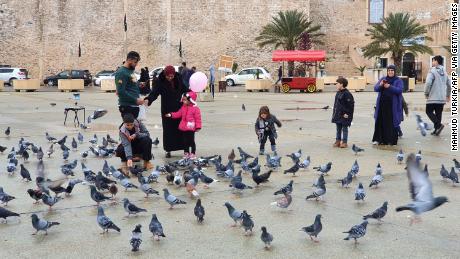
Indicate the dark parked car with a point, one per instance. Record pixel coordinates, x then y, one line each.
69 74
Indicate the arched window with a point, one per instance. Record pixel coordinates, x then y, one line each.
376 11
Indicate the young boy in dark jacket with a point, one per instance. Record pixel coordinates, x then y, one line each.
342 114
265 128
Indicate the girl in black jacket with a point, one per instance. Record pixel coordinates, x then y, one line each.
265 128
342 114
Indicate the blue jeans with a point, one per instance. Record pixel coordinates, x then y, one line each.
341 129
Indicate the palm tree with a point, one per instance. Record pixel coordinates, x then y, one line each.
389 37
285 30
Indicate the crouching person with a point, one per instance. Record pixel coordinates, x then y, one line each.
135 139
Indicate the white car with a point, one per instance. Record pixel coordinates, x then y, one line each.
247 74
8 74
97 81
158 70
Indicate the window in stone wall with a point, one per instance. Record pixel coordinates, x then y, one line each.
376 11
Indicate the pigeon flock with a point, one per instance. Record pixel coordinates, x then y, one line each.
243 175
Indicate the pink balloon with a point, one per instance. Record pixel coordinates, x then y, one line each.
198 82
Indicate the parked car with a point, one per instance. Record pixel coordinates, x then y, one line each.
246 74
69 74
8 74
102 75
158 70
112 76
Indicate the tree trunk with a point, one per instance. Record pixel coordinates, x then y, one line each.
397 58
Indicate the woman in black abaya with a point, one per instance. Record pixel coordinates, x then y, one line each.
169 85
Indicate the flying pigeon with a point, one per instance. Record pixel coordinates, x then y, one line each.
171 199
198 211
314 229
360 193
105 222
156 228
357 231
41 224
378 214
421 191
136 238
266 237
131 208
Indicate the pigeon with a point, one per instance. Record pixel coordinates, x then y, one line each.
71 185
293 170
97 196
50 151
324 169
105 143
273 162
156 142
178 179
356 149
266 237
314 229
347 180
360 193
355 168
207 180
254 163
319 192
2 149
25 173
400 156
243 107
40 154
247 223
5 198
305 163
356 231
287 189
198 211
456 163
136 238
80 138
239 186
83 126
236 215
418 156
422 126
421 191
378 178
171 199
147 189
295 156
50 201
231 156
41 224
325 108
283 202
378 214
98 113
131 208
35 194
105 222
25 155
74 144
261 178
113 190
93 140
156 228
127 184
8 131
65 154
453 176
444 173
4 214
49 137
243 154
62 141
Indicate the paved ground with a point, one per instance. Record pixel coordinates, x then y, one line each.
225 127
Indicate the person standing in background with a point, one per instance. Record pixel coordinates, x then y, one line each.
186 73
127 86
211 79
280 74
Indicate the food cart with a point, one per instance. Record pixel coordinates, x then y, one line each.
309 84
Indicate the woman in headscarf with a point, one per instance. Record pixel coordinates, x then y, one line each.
388 109
171 89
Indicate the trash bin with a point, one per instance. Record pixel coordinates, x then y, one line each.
405 80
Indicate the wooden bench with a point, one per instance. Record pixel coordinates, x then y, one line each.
70 85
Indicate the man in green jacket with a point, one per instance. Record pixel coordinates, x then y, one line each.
127 86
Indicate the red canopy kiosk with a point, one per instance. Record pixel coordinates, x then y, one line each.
299 83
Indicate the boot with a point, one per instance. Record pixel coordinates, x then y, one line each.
148 165
336 144
343 145
124 169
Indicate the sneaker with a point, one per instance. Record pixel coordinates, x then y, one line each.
186 155
439 130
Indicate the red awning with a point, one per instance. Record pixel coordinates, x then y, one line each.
299 55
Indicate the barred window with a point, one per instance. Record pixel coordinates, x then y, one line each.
376 11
